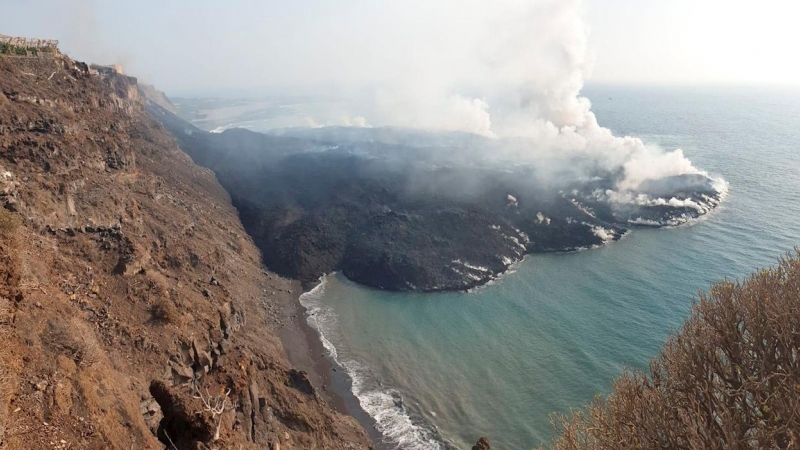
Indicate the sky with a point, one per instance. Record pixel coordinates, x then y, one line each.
507 69
696 41
201 45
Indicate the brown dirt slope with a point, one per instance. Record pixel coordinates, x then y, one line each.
131 299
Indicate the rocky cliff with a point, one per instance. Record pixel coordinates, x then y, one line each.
133 304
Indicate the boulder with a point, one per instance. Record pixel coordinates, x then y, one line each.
482 444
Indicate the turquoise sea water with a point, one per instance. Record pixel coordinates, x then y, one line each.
440 370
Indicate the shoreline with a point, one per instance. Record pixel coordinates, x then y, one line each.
304 349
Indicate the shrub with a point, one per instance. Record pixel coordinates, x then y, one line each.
76 340
216 405
729 379
165 311
87 351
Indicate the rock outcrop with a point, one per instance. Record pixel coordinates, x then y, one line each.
156 97
131 298
482 444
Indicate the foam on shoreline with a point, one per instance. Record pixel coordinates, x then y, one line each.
383 404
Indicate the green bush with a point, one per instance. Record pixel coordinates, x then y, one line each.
9 49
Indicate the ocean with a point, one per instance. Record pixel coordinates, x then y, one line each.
441 370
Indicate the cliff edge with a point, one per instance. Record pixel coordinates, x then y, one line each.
133 305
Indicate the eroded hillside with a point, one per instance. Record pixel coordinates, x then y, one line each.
132 302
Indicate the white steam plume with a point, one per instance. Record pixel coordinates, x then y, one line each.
513 69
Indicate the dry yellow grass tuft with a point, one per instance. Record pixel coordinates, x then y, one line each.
5 312
76 340
9 222
165 311
5 375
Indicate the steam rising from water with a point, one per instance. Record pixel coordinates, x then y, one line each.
511 69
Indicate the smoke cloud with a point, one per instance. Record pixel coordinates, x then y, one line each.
511 70
508 70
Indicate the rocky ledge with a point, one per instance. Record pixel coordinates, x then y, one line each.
394 209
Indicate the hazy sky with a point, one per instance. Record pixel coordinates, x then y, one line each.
193 45
501 68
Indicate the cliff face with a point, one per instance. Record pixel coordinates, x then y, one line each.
156 97
132 301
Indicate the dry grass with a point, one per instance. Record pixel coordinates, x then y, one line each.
6 317
76 340
164 311
9 222
5 312
5 388
729 379
5 375
157 284
163 308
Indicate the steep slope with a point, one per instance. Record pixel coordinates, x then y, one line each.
132 302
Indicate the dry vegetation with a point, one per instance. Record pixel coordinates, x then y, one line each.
729 379
164 311
9 222
118 220
5 357
76 340
5 314
216 405
5 323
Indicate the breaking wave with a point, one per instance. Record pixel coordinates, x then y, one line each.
400 428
